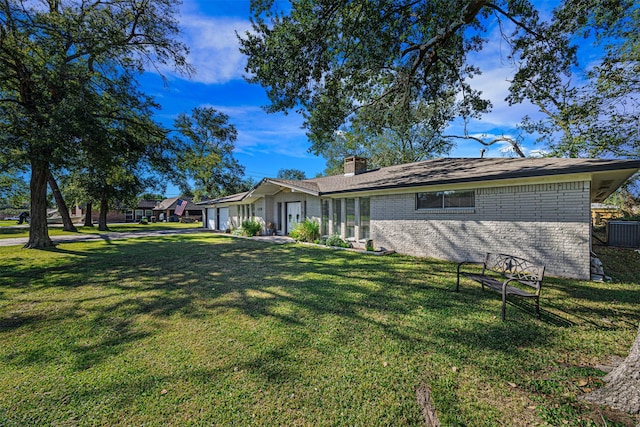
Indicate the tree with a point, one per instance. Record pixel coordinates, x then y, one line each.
590 110
205 152
14 191
324 59
67 224
121 150
622 384
292 174
53 57
402 139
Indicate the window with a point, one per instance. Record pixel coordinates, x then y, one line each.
365 210
279 216
446 200
351 217
337 216
324 223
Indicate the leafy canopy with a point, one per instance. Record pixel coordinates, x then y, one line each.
379 60
369 68
205 153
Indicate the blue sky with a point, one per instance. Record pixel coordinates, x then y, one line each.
269 142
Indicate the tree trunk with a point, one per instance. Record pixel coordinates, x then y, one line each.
622 388
102 219
67 224
88 215
38 229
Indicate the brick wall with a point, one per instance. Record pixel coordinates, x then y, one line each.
546 223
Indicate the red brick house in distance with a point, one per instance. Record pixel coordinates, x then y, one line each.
151 209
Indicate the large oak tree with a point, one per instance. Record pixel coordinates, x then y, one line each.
204 153
55 56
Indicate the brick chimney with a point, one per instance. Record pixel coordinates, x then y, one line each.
354 165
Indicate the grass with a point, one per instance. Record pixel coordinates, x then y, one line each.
205 329
8 231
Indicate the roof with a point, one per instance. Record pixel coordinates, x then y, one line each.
454 171
171 202
225 199
460 170
148 204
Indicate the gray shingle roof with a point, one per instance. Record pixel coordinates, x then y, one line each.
171 202
460 170
445 171
226 199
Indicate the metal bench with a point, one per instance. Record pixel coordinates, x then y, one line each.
501 272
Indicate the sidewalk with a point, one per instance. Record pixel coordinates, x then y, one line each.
79 237
108 236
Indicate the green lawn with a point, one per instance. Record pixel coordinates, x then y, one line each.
205 329
8 231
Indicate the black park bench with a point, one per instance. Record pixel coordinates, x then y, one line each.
502 273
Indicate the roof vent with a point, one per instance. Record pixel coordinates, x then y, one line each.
354 165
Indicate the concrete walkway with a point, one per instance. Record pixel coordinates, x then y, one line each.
79 237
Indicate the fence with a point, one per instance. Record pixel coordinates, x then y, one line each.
625 234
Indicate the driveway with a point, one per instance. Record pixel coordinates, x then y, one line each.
79 237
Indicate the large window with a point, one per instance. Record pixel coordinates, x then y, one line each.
446 200
351 217
324 223
337 216
364 217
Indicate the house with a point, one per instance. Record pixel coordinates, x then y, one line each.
119 214
454 209
166 210
601 213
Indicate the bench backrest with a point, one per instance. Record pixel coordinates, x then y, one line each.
523 270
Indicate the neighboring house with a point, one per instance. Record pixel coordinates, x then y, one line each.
167 208
601 213
119 214
455 209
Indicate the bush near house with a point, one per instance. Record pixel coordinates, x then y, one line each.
306 231
251 227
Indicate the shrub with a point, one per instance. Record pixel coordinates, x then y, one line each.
251 227
336 240
306 231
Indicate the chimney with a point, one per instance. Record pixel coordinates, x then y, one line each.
354 165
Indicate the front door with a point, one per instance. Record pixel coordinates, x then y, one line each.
294 215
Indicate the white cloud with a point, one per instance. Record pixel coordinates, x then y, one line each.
214 47
260 133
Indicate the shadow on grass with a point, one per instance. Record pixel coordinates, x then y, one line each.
103 299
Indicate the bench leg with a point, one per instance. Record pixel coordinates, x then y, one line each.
538 308
504 305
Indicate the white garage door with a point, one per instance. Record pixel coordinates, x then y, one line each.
223 220
211 218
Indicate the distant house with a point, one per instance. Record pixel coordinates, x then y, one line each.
601 213
455 209
166 210
143 208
